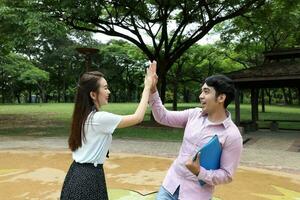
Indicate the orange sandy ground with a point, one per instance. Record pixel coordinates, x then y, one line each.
39 175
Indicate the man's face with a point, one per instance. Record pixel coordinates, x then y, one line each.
208 100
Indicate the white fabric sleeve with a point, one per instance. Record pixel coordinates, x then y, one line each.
107 121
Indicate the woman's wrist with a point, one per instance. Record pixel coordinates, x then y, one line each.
147 87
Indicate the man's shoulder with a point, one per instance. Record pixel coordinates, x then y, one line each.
233 132
196 110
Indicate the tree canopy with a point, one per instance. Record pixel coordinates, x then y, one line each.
38 41
172 25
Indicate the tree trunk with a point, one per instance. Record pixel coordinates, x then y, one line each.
42 94
254 104
286 101
163 87
3 95
175 89
2 87
65 91
268 92
290 97
298 95
65 94
237 106
11 96
129 93
29 96
176 81
162 68
43 97
263 100
18 98
186 95
46 97
58 94
241 97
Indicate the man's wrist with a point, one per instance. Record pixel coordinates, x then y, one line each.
153 90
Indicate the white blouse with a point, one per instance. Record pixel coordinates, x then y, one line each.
98 129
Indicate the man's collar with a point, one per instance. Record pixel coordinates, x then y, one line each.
225 122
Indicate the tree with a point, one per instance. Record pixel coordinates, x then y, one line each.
199 62
172 25
60 59
19 74
274 25
48 44
124 65
35 77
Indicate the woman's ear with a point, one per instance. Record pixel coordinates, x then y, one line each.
93 95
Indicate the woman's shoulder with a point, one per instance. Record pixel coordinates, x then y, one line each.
101 113
105 116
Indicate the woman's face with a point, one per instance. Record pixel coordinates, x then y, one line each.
103 93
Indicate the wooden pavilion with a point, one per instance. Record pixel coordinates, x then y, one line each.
281 68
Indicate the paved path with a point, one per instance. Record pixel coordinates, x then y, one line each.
265 149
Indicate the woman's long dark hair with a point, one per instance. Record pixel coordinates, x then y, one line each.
84 105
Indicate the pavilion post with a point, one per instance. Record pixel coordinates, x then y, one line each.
237 107
254 104
263 103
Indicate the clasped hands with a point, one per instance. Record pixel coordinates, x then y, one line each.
151 77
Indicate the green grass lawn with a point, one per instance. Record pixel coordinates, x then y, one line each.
54 120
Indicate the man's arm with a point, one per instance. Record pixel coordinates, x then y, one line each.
229 161
160 113
230 158
163 116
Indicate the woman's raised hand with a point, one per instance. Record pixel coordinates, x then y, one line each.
150 76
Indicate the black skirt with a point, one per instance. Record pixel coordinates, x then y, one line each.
84 181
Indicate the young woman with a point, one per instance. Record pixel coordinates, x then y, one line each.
91 135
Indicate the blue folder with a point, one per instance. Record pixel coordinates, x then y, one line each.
210 155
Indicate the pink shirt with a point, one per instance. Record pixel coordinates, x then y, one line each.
198 131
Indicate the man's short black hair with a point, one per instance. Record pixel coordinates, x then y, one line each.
223 85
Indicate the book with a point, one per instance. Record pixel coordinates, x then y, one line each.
210 155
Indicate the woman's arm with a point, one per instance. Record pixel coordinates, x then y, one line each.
138 116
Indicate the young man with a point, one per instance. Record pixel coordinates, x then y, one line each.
200 125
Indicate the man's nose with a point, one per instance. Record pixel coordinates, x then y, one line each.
201 96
